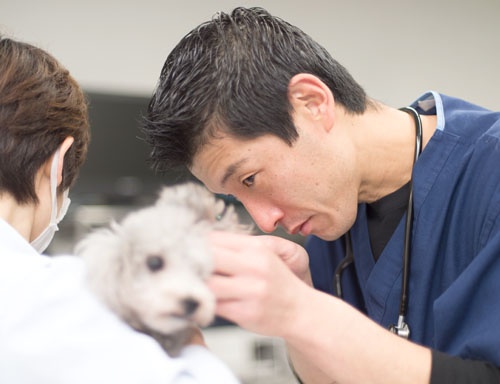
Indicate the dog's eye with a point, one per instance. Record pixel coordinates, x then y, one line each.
155 263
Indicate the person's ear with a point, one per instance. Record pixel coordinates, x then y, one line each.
309 96
66 144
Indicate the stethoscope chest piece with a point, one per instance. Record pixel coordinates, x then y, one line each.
401 329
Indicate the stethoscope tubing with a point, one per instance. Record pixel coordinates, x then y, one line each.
344 263
402 328
405 281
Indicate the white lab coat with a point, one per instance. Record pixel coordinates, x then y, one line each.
52 330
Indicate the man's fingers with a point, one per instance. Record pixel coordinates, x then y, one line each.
229 262
230 240
233 298
232 310
228 288
223 287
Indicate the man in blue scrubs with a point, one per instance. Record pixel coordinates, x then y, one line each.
256 109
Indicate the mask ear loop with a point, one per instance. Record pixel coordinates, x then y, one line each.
44 238
65 205
53 185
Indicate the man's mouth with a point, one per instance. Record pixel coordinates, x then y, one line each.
299 227
305 229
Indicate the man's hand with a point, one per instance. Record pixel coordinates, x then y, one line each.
258 291
253 285
294 256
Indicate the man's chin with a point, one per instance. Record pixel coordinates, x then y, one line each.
327 235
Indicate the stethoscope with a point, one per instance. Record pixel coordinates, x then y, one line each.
401 329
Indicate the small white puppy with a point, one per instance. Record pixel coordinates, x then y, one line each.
151 268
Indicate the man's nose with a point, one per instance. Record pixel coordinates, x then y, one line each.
267 217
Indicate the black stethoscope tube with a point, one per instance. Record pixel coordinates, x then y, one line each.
403 304
401 328
344 263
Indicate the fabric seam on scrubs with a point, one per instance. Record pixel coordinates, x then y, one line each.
489 223
422 190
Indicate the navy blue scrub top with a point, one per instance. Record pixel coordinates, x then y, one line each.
454 286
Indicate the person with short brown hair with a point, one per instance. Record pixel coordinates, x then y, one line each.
52 329
43 114
41 105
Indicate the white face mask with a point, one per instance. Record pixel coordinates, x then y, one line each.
43 240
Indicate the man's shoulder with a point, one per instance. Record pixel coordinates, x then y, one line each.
467 119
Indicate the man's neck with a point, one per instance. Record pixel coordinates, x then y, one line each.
385 141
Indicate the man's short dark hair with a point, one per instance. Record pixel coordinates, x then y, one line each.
231 75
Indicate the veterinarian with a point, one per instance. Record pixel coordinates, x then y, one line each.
51 329
257 109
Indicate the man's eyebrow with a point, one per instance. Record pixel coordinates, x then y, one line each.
231 170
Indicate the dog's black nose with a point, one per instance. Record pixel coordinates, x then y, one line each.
189 306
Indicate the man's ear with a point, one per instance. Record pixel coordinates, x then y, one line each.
308 95
66 144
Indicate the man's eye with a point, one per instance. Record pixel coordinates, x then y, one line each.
249 181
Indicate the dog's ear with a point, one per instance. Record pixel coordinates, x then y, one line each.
191 195
102 252
227 220
187 194
207 208
97 242
221 215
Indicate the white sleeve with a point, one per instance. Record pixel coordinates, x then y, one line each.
205 367
53 331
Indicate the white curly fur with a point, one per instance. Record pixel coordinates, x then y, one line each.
164 301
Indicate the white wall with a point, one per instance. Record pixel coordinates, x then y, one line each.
395 49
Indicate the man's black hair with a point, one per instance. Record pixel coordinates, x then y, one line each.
231 74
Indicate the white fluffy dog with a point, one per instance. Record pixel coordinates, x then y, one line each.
150 268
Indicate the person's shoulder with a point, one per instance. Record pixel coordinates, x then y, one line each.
53 316
468 119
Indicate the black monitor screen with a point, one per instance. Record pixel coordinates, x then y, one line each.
117 170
